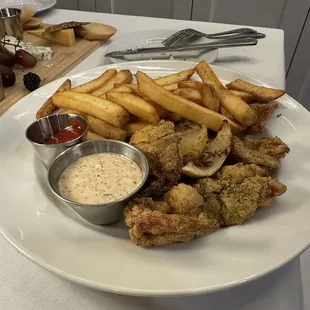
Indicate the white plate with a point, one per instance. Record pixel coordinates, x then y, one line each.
37 5
103 257
152 38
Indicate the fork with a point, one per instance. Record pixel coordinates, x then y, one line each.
187 35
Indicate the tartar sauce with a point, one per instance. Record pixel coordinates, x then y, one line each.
100 178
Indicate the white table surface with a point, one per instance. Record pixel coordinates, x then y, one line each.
25 286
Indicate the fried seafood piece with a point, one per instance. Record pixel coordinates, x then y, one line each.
151 227
186 125
152 133
265 152
190 137
165 168
148 240
271 146
149 203
161 147
213 155
235 174
210 190
240 201
166 151
184 199
192 142
235 192
262 111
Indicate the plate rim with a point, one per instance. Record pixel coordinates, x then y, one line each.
139 292
37 11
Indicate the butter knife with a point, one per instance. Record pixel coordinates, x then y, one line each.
178 52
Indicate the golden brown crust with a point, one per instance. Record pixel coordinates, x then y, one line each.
151 228
234 194
63 26
265 152
263 112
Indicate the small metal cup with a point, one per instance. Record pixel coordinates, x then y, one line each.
98 214
12 22
2 29
1 89
46 127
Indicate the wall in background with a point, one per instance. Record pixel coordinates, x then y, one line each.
289 15
298 78
179 9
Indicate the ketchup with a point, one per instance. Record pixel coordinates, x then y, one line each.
72 131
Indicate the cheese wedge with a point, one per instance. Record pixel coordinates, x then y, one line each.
65 37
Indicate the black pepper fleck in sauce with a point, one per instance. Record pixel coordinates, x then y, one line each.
100 178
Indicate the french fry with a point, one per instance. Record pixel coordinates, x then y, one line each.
48 106
72 111
120 88
171 87
208 76
133 118
190 84
91 86
100 108
182 106
135 105
89 135
226 113
162 112
134 88
191 94
177 92
105 129
209 98
175 77
239 109
122 77
246 97
260 93
132 128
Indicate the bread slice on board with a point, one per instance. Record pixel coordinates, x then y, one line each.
32 23
95 31
26 14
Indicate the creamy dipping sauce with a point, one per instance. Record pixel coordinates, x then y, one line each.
100 178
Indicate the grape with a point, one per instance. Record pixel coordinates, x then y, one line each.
7 75
25 59
7 59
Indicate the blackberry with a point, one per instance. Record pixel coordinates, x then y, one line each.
31 81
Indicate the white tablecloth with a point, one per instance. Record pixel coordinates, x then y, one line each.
25 286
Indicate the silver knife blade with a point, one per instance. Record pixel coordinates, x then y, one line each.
166 52
156 54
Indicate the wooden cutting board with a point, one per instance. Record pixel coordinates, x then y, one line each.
63 60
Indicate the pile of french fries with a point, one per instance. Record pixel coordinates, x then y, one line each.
115 108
